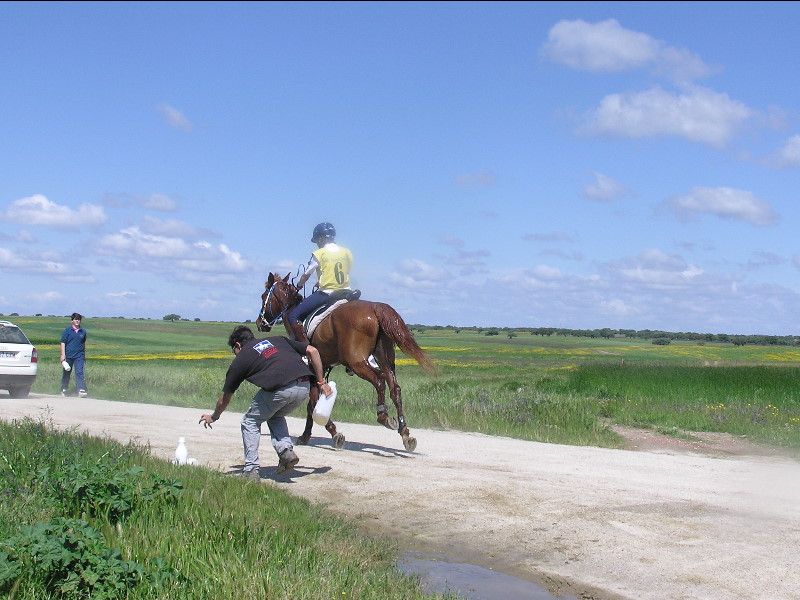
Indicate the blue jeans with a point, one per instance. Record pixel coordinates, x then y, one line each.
307 306
77 365
271 407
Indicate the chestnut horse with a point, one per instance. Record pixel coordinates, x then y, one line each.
348 336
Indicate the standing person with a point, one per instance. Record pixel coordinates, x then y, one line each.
73 351
276 365
331 263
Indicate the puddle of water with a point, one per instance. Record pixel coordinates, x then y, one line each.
470 582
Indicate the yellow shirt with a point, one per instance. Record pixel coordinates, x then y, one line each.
333 271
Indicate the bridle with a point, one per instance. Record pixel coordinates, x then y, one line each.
268 316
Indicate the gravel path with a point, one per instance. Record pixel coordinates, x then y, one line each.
712 519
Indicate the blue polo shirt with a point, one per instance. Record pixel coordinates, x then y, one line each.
74 342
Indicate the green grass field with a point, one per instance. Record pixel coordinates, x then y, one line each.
555 388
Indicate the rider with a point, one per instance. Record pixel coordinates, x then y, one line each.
332 265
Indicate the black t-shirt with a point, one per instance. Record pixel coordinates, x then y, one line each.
271 364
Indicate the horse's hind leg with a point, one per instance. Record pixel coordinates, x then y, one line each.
380 378
409 442
384 351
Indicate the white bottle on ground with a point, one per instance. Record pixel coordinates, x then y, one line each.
181 453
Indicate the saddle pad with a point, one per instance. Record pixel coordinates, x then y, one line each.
320 317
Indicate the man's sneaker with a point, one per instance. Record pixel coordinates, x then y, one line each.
286 461
252 475
82 394
63 392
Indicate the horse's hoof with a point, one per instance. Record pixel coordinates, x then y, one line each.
338 441
410 443
303 440
391 423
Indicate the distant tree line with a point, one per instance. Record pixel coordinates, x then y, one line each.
659 337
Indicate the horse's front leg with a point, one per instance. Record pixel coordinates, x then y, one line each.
338 438
305 437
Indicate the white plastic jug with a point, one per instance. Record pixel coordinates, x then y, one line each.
322 411
66 365
181 453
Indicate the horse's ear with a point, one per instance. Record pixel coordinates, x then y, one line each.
270 279
287 276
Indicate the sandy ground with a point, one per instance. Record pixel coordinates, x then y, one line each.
710 519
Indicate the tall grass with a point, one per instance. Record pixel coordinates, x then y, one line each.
212 537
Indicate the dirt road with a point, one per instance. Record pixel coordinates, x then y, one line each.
710 520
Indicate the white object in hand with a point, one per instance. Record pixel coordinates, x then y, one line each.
66 366
324 406
181 453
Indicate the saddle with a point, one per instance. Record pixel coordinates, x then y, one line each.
337 297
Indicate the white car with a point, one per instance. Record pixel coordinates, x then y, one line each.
19 362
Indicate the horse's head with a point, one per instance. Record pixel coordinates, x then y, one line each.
278 297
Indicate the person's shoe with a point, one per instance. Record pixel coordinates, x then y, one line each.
64 392
252 475
286 461
82 394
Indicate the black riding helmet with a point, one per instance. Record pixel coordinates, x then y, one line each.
323 230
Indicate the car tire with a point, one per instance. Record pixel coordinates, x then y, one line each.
19 391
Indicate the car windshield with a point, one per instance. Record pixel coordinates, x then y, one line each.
12 335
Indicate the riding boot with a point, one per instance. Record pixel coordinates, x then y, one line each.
298 332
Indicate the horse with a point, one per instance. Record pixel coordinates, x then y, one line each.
352 334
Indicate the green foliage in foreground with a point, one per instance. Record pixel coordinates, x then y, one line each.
140 528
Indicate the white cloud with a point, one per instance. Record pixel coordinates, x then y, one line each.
50 296
171 256
418 275
605 189
173 228
789 154
724 203
608 47
38 210
468 258
22 237
653 268
174 118
158 202
546 273
13 262
700 115
619 308
604 46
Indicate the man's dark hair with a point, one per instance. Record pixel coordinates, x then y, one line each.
240 335
78 316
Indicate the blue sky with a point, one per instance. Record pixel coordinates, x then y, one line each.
630 165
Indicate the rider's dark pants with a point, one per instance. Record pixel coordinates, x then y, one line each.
307 306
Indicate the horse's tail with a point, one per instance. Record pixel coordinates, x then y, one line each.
396 329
